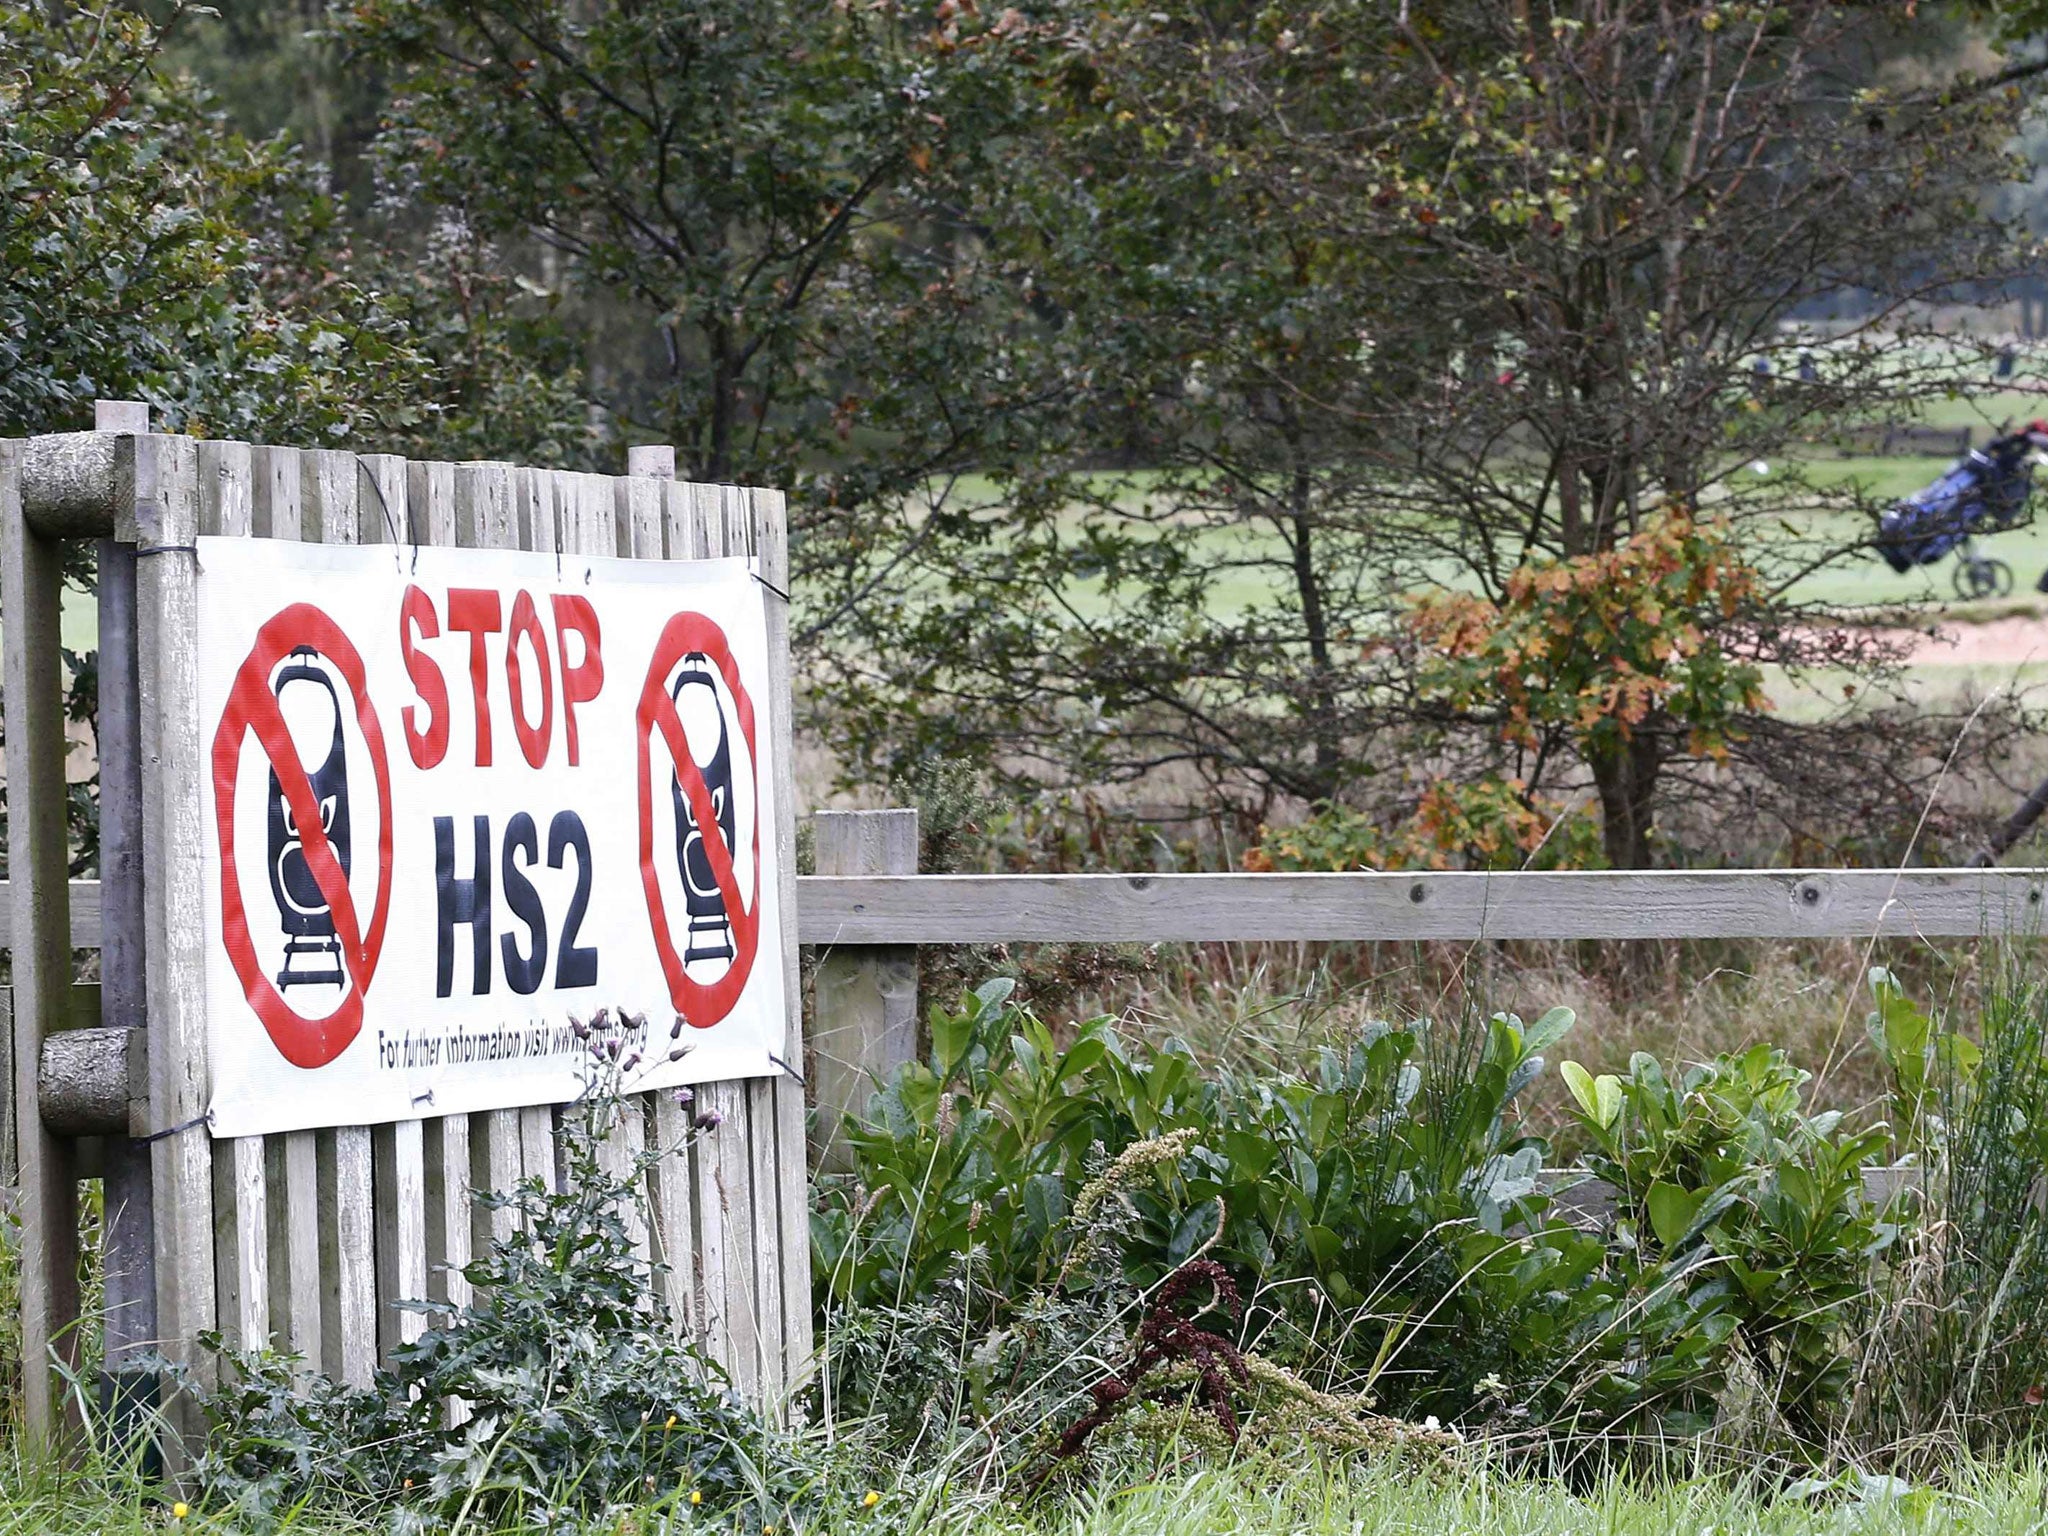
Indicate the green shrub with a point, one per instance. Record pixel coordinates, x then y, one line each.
578 1398
1747 1217
1014 1198
1334 1195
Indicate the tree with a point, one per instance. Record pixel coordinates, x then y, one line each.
1465 303
129 240
708 182
149 251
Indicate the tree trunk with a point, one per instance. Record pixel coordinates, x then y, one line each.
1625 774
1322 701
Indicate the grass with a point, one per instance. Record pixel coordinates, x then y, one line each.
1856 582
1268 1006
1258 1498
1384 1502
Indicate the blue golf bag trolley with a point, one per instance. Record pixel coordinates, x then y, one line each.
1985 492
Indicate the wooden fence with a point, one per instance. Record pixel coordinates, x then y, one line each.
311 1238
866 911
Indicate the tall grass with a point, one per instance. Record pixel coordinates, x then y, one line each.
1958 1350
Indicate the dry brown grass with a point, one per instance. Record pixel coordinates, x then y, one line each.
1272 1005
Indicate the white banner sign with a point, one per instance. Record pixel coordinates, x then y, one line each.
454 798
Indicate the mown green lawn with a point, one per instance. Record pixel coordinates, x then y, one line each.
1857 581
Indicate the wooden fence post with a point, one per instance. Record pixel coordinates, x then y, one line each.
128 1390
162 520
32 580
865 1022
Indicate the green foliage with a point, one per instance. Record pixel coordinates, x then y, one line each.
730 189
1383 1216
1008 1166
1491 823
1962 1344
1750 1215
1395 312
579 1398
152 253
1927 1062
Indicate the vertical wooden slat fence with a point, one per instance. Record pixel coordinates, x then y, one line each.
310 1240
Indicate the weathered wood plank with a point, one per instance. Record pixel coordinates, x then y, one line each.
497 1163
864 996
295 1290
764 1186
600 524
675 1237
348 1259
165 521
679 520
725 1214
31 587
331 484
327 495
446 1150
7 1135
430 502
1654 904
227 489
447 1232
780 1100
487 517
539 529
537 1143
718 1191
277 507
638 518
662 530
382 482
241 1242
1597 904
619 1155
724 1155
85 914
402 1219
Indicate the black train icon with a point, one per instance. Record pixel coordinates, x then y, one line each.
710 927
312 952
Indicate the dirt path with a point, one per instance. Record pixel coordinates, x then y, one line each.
2005 641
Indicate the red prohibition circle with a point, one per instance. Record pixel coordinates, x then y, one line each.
252 708
702 1004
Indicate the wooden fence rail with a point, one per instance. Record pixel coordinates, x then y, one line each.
1650 904
893 910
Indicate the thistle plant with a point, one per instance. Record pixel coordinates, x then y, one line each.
559 1393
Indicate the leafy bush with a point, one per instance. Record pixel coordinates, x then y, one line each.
577 1398
1746 1215
980 1176
1484 823
1016 1199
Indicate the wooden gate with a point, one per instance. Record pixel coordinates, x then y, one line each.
308 1239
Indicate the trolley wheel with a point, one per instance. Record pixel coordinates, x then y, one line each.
1982 578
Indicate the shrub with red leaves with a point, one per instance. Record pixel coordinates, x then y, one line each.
1168 1337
